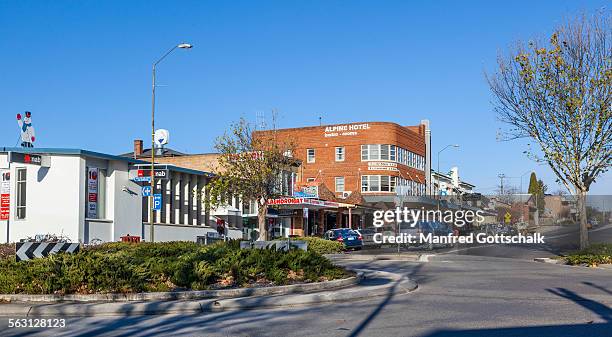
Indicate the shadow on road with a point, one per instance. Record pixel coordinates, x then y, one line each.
591 330
598 308
391 292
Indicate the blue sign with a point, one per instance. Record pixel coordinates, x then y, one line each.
157 202
142 179
146 191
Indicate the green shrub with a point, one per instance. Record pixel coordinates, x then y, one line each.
594 255
128 267
320 246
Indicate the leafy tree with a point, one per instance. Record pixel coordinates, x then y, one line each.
559 94
533 184
250 168
537 188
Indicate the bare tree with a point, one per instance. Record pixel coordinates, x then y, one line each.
250 168
559 94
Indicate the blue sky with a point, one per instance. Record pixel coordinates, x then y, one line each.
84 70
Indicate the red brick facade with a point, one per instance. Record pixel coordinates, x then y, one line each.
325 139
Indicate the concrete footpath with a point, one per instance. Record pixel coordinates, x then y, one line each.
373 284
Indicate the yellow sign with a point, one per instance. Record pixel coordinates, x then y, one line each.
507 217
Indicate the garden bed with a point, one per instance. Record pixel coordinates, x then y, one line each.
162 267
596 254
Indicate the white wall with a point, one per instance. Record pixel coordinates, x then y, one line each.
126 205
183 232
52 199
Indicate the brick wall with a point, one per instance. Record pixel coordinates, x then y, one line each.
326 168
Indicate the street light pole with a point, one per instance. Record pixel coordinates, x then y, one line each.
438 170
151 197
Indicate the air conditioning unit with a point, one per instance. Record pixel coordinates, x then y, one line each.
346 194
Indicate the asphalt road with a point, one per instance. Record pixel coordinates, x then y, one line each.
458 295
558 240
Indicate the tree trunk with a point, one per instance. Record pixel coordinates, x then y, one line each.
262 211
584 232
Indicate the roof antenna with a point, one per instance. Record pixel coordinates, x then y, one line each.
320 120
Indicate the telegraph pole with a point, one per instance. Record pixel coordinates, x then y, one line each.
501 177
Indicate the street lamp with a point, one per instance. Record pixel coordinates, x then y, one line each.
151 222
439 152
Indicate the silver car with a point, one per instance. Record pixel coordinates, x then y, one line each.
367 235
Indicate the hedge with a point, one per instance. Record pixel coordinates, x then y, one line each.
319 245
600 253
129 267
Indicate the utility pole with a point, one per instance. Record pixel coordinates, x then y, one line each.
501 177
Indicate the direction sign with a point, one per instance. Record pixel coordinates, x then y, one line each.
142 179
146 191
157 202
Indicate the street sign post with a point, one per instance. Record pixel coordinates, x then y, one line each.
507 217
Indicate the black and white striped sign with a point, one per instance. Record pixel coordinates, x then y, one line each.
30 250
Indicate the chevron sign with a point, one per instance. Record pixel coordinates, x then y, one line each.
29 250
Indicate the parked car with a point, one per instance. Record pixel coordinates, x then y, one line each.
420 228
367 235
347 236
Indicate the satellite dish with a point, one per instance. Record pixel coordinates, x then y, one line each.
162 137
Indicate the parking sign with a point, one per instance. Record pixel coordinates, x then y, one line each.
157 202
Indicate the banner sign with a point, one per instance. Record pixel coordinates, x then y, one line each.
300 201
92 193
306 192
5 194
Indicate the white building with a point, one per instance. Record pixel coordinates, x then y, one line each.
450 184
85 195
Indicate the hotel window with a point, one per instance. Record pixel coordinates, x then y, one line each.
364 152
339 184
310 155
370 152
384 152
384 183
340 154
374 152
376 183
21 193
392 153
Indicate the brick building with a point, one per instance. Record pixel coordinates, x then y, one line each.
370 159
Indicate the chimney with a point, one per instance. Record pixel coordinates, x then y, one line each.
137 148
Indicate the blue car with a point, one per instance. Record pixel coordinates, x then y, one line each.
348 237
